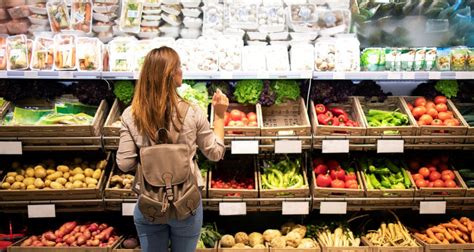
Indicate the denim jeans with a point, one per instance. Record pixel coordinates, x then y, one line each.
184 234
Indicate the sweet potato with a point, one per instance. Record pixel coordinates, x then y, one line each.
27 242
81 240
87 234
95 242
466 222
82 228
34 238
50 236
93 227
105 234
103 226
66 228
37 244
71 240
47 243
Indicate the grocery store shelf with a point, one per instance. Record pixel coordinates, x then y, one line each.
392 75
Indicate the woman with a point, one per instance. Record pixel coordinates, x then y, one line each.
153 107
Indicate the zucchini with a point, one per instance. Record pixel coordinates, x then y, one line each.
464 171
470 183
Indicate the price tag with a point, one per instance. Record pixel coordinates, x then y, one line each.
393 76
390 146
263 75
287 146
66 74
226 75
333 208
408 75
30 74
3 74
432 207
339 75
128 208
306 75
244 147
234 208
464 75
41 211
434 75
294 208
335 146
11 148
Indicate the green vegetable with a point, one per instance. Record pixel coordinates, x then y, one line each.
448 88
209 236
398 186
380 118
373 180
285 90
392 166
381 177
282 175
406 178
248 91
123 90
197 95
370 59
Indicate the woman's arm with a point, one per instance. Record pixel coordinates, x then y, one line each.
220 102
127 151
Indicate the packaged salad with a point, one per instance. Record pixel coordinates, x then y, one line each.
58 15
121 53
459 57
17 52
189 53
370 59
430 59
3 52
213 22
243 14
325 54
81 15
443 61
131 16
141 49
420 59
89 54
408 58
43 54
392 59
209 53
301 57
277 58
65 52
271 18
347 53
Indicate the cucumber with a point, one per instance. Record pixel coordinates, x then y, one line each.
464 171
470 183
468 175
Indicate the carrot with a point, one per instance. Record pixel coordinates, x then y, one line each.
467 222
459 225
439 235
465 237
456 236
448 236
449 225
445 241
472 236
424 238
88 12
430 234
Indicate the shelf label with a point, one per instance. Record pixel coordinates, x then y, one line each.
295 208
434 75
408 75
227 75
66 74
30 74
390 146
335 146
306 75
393 76
432 207
244 147
11 148
128 208
232 208
263 75
41 211
339 75
333 208
288 146
464 75
3 74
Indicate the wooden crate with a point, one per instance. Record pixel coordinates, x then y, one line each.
288 119
470 129
118 247
4 108
326 130
241 131
390 249
345 249
17 248
390 104
427 130
57 194
327 192
469 193
317 249
220 249
114 193
388 193
468 247
113 116
444 192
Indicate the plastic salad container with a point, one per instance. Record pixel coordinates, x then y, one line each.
121 53
430 58
302 17
230 53
43 54
332 22
459 57
277 58
347 53
17 47
271 18
253 58
131 15
58 14
190 3
443 61
89 54
65 52
372 59
407 58
81 15
209 54
213 22
3 52
301 59
392 59
189 53
325 54
243 15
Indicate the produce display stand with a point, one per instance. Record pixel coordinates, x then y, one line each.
17 248
469 192
215 249
109 130
221 249
445 247
270 249
366 242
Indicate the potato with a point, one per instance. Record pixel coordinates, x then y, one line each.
40 172
22 186
47 183
56 185
39 183
116 179
97 174
55 175
30 172
66 175
68 185
88 172
61 181
77 184
12 174
62 168
50 171
79 177
10 179
70 179
19 178
29 181
31 187
16 185
91 185
84 185
77 170
6 185
91 181
128 186
126 182
101 165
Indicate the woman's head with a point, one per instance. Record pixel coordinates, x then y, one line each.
155 92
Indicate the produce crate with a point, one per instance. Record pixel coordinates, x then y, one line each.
220 249
57 194
317 249
118 247
109 130
326 130
390 249
389 193
468 247
345 249
207 249
426 130
444 192
470 129
469 190
390 104
114 193
17 248
327 192
4 108
91 130
288 119
242 164
241 131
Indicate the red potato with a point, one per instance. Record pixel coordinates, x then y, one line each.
103 226
49 236
66 228
87 234
47 243
71 240
95 242
105 234
82 228
81 240
93 227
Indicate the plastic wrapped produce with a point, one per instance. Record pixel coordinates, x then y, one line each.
190 3
459 57
332 22
141 49
302 17
89 54
147 32
301 57
43 54
191 12
230 53
152 3
18 12
65 52
420 59
13 3
325 54
243 14
271 18
39 20
277 58
194 23
58 14
443 60
392 59
188 50
407 58
347 53
18 26
174 9
208 54
172 20
131 15
213 22
29 44
470 60
121 53
3 27
372 59
39 8
3 52
190 33
17 47
430 59
105 8
253 58
81 15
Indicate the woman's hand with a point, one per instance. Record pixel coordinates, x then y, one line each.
220 102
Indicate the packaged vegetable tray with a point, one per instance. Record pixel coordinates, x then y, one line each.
89 54
58 15
3 52
131 16
121 54
65 47
17 47
81 15
43 54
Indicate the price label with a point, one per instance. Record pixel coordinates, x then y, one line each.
30 74
333 208
464 75
234 208
408 75
390 146
244 147
128 208
434 75
288 146
41 211
263 75
393 76
294 208
432 207
226 75
339 75
66 74
306 75
335 146
11 148
3 74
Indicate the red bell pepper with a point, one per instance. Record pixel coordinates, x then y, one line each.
342 118
334 122
329 114
320 109
339 111
323 119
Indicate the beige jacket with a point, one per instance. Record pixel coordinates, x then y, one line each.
195 133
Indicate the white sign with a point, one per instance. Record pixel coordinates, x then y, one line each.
244 147
333 208
287 146
11 148
232 208
30 74
390 146
434 75
408 75
41 211
66 74
432 207
294 208
464 75
335 146
128 208
226 75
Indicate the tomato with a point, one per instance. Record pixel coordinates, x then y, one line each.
338 174
441 107
239 124
417 176
253 124
430 104
452 122
350 176
421 183
446 177
337 183
350 182
421 123
450 183
420 101
226 118
332 164
438 183
431 184
437 122
448 173
353 186
432 112
410 106
252 117
431 167
435 176
321 169
235 115
318 161
440 99
418 111
426 119
444 116
245 121
323 180
424 172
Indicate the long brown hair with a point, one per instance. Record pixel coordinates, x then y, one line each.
155 97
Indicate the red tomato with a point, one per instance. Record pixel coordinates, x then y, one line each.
437 122
410 106
353 186
420 101
435 176
432 112
450 183
426 119
417 176
337 183
424 172
431 184
421 123
252 117
444 116
321 169
441 107
226 118
430 104
421 183
431 167
350 176
440 99
350 182
338 174
448 173
438 183
253 124
446 177
245 121
452 122
332 164
318 161
418 111
323 180
235 115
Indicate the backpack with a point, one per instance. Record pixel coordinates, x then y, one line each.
164 181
